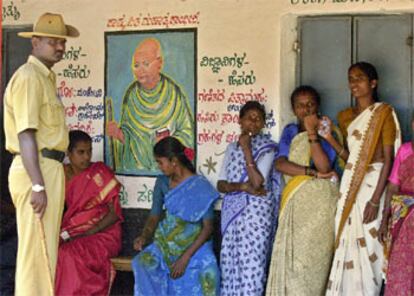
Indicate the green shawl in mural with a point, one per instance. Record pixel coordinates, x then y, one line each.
164 110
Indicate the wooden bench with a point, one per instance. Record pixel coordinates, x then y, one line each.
122 263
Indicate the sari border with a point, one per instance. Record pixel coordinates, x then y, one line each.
108 188
96 175
256 155
265 148
363 159
224 229
290 189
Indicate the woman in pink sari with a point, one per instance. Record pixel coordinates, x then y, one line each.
398 219
91 226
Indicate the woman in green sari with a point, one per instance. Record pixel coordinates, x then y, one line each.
304 243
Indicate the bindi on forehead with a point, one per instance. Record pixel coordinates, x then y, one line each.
253 113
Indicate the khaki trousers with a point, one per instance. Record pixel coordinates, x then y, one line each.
32 267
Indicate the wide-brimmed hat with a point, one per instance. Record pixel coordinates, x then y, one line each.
51 25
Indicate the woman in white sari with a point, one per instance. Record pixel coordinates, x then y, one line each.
371 130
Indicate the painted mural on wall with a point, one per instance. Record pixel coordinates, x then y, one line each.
150 91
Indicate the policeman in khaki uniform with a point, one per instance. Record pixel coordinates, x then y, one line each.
37 136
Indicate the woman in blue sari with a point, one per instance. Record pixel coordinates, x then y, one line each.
180 261
249 210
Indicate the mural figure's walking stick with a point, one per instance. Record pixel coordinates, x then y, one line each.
109 118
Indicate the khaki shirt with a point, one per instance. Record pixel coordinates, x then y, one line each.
31 102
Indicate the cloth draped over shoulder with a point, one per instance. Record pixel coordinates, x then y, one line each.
400 273
359 257
144 113
303 246
235 202
87 197
366 140
186 206
248 222
84 265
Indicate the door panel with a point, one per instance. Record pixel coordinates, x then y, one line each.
382 41
325 56
16 50
15 53
329 45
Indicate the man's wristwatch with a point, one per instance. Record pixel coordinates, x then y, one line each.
38 188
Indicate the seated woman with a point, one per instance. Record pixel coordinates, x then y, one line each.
161 188
91 226
304 243
180 261
249 211
399 212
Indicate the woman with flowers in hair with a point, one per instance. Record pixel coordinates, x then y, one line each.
180 261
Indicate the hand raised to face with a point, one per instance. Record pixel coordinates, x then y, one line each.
311 123
245 140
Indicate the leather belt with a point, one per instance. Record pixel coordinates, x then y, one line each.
53 154
50 153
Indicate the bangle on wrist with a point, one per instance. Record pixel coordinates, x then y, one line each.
252 164
340 152
310 172
375 205
313 141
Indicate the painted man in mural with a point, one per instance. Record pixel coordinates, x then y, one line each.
153 107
